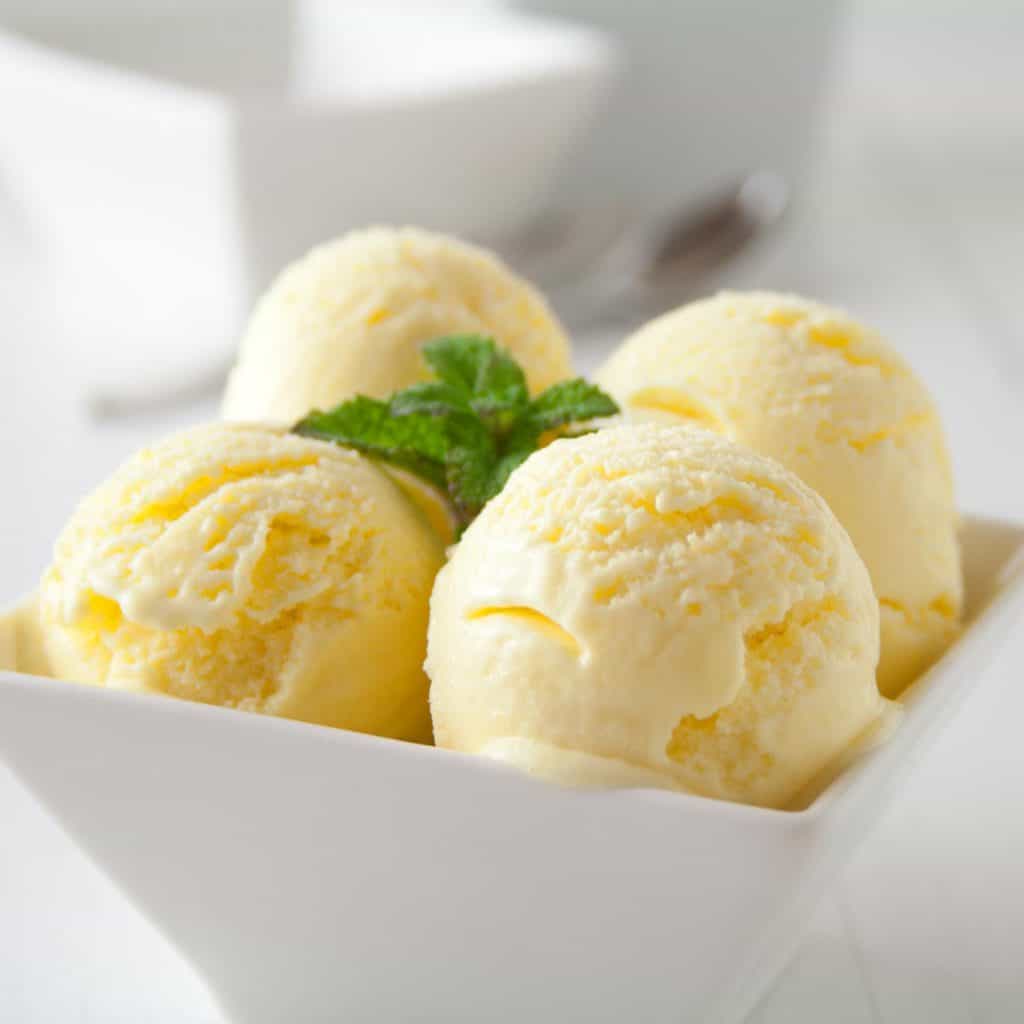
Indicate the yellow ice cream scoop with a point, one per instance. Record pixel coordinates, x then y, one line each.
239 565
351 316
831 401
654 605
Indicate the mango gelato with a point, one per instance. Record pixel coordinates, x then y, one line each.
239 565
831 401
654 605
350 317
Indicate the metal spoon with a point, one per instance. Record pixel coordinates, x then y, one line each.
658 266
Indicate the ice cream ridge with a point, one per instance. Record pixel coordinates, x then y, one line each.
240 565
350 318
654 605
829 399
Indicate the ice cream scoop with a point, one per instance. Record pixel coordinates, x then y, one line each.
830 400
351 316
654 605
240 565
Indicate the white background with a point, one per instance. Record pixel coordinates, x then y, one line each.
914 220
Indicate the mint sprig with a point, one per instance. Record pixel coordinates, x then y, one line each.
465 432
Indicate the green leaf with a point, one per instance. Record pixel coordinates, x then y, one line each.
466 432
469 463
432 398
503 468
489 378
417 443
570 401
455 359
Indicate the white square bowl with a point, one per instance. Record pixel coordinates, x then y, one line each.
311 874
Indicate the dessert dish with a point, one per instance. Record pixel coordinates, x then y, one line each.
665 617
680 576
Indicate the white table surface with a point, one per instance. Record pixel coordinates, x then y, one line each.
915 220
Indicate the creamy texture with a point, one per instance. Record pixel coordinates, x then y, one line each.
351 316
21 640
239 565
662 604
830 400
573 768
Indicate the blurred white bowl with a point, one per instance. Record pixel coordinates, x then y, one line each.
313 874
167 161
710 91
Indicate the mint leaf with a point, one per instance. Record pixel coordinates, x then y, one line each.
570 401
507 462
469 465
431 398
466 432
491 381
417 443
